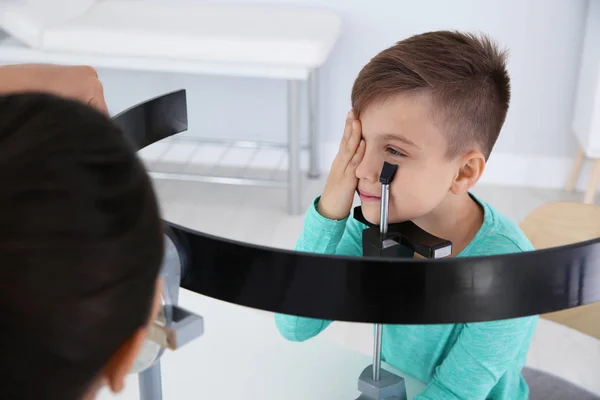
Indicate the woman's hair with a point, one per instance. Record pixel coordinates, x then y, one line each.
81 246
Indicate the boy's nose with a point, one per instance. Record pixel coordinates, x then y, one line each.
369 168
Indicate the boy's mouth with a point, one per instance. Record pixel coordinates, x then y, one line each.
364 196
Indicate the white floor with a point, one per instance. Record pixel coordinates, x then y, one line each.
258 215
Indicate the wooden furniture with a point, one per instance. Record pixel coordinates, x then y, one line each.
558 224
594 178
586 118
270 41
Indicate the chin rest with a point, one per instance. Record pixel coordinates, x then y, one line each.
223 33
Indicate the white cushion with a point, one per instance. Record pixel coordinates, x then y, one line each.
27 20
244 33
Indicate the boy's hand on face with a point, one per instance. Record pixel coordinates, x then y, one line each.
338 195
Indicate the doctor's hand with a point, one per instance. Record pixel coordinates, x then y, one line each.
337 198
75 82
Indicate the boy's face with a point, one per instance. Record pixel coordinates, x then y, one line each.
402 131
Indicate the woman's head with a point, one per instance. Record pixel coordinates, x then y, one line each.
81 244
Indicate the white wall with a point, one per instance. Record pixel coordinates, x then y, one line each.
544 38
586 121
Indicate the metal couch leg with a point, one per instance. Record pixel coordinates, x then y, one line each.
293 127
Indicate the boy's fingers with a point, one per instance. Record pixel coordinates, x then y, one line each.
347 130
354 139
358 155
349 150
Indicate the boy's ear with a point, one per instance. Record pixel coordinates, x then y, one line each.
470 169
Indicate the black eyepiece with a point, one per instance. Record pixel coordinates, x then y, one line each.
387 173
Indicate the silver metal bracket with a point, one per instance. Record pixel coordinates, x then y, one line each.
172 329
389 386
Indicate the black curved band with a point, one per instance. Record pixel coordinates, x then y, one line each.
414 291
358 289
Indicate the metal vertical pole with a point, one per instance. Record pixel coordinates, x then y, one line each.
383 228
384 216
377 352
293 126
312 97
150 383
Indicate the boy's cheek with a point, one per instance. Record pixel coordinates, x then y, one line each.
371 211
397 212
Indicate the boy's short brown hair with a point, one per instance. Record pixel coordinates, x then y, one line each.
464 74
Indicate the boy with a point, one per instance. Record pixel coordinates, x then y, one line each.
433 104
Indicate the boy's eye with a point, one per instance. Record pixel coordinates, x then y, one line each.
395 152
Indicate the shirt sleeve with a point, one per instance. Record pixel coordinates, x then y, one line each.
319 234
323 236
481 355
483 351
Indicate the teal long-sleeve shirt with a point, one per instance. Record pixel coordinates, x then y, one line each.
469 361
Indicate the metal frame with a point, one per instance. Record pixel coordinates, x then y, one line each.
150 383
179 326
293 184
